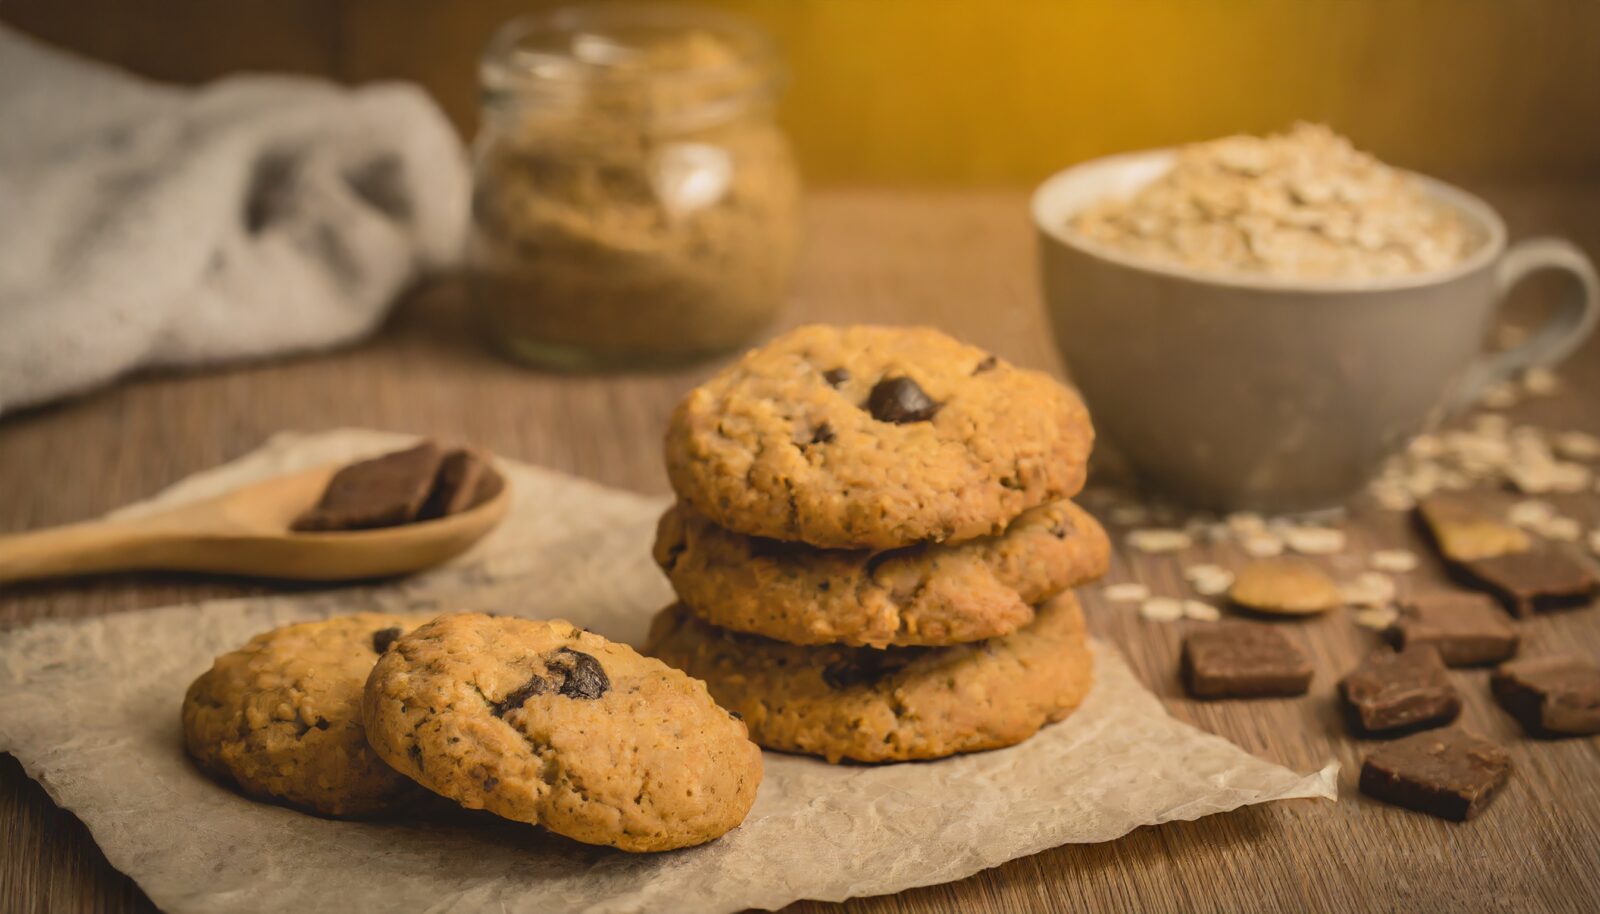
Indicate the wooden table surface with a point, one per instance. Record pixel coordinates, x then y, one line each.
960 261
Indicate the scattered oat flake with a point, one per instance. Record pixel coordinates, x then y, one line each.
1262 545
1200 611
1564 529
1158 539
1498 396
1577 445
1129 515
1245 523
1530 513
1208 580
1314 540
1378 617
1162 609
1541 382
1125 593
1369 589
1395 561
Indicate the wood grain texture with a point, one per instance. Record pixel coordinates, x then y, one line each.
960 261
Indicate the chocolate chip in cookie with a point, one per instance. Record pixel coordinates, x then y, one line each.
900 400
584 677
836 376
988 364
383 637
823 434
867 666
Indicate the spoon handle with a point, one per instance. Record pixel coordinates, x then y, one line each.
86 548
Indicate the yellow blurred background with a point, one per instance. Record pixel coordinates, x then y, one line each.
1002 92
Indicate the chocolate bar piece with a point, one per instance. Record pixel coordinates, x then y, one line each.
380 492
1467 526
1557 695
1243 660
464 481
1393 691
1446 773
1527 582
1465 628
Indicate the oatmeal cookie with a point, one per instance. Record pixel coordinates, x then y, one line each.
888 705
928 594
281 716
545 723
875 438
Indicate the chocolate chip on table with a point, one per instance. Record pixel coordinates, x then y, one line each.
1527 582
583 676
382 492
1466 628
988 364
383 637
1243 660
1554 695
836 376
900 400
1446 773
1393 691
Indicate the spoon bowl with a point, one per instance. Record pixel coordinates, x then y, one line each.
246 532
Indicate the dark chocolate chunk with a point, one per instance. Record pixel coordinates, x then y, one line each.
1465 628
519 696
1556 695
1526 582
900 400
836 376
823 434
867 666
322 723
490 782
582 675
1243 660
381 492
455 487
1401 690
383 637
988 363
1446 773
736 715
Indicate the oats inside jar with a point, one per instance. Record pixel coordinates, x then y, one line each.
1305 204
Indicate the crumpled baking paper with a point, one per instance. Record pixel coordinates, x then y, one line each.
90 708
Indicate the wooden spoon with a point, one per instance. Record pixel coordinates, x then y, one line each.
246 532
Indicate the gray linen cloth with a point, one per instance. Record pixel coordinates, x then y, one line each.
147 225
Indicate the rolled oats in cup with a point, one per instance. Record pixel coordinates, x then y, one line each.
1303 204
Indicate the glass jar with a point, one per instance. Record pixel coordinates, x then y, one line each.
635 203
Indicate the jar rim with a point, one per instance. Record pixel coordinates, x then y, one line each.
508 63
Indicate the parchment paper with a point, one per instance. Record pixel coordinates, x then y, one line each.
91 711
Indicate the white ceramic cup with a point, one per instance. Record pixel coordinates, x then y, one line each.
1247 392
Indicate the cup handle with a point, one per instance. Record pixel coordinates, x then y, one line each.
1575 318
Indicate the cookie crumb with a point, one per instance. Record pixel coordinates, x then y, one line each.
1284 587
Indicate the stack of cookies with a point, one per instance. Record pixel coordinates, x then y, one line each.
872 547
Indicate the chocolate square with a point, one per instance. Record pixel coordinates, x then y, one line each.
380 492
1393 691
1243 660
1465 628
1554 695
1527 582
1446 773
461 483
